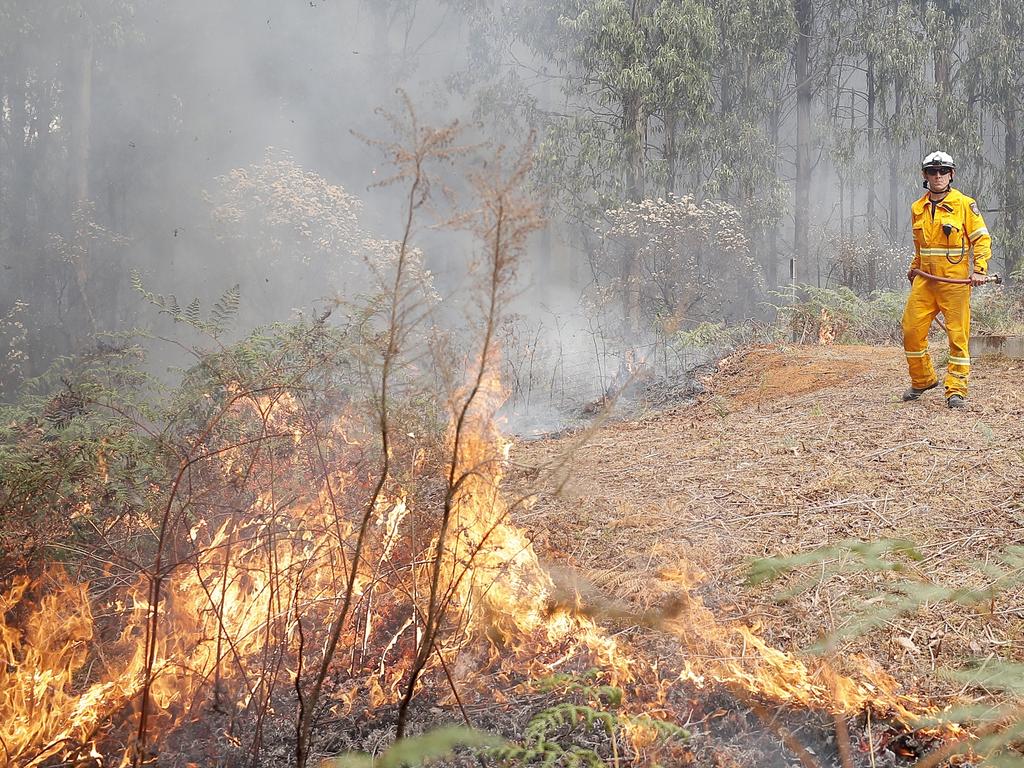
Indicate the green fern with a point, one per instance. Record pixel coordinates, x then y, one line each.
417 750
567 714
860 555
1001 574
223 311
192 312
548 736
580 684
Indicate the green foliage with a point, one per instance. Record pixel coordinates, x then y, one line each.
584 684
221 315
97 442
997 310
551 736
840 315
998 727
74 457
712 335
420 750
658 66
866 555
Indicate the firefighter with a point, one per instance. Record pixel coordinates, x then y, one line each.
948 231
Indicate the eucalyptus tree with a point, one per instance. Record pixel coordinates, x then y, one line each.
804 80
751 67
997 67
877 107
895 47
956 92
663 97
686 39
627 73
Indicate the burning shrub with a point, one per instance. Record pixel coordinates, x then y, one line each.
321 535
838 314
313 538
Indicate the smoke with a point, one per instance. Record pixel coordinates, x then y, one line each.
146 109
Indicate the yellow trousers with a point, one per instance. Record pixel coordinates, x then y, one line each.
927 299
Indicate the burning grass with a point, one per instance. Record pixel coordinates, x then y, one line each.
285 520
322 536
792 450
243 606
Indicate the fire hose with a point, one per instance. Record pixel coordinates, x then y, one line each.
956 281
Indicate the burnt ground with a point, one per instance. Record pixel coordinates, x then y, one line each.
791 449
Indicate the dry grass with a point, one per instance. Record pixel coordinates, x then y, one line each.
795 448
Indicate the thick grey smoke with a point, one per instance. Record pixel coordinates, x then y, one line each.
182 141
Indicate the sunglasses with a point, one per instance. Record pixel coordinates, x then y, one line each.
938 171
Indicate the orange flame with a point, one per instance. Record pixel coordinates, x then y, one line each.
247 610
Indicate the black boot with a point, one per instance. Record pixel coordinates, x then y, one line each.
913 393
956 401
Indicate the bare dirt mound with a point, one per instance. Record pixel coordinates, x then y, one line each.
791 449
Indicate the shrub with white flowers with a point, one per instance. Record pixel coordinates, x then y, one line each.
691 259
296 222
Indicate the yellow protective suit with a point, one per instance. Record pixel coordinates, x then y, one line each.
946 235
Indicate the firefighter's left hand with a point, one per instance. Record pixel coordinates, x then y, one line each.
977 278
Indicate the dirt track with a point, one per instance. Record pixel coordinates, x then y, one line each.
794 448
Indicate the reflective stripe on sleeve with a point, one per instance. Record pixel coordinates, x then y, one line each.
977 233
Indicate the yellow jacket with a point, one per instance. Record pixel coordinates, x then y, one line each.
945 235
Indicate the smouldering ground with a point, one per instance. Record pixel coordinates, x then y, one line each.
794 448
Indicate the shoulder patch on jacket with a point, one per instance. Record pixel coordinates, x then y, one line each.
974 208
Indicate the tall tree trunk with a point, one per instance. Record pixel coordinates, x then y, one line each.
381 60
1013 199
671 149
943 86
82 125
634 130
772 255
22 158
869 208
633 136
895 205
81 136
801 212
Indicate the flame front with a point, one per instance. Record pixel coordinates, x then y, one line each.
243 611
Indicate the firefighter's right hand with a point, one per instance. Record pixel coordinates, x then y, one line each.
910 275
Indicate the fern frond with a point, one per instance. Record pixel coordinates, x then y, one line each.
153 298
417 750
192 312
225 309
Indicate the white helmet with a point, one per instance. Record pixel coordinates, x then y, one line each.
938 160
